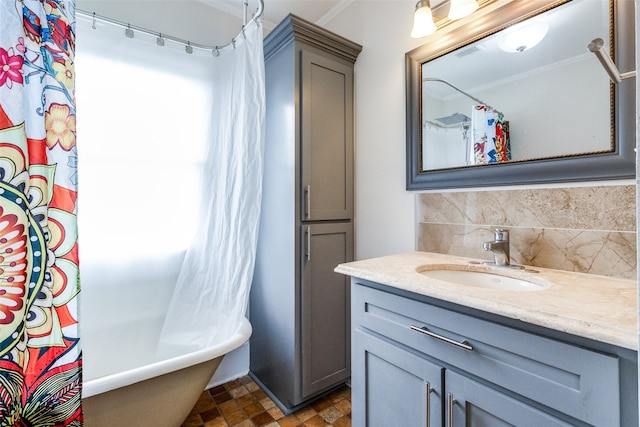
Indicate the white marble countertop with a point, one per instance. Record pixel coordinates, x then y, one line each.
601 308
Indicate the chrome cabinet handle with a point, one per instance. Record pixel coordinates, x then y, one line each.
428 402
308 254
423 330
450 402
307 212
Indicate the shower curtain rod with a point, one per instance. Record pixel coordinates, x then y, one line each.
215 50
434 79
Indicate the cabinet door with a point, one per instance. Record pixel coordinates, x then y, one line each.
327 138
469 403
325 306
391 386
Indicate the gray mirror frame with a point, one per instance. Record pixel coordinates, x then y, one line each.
618 164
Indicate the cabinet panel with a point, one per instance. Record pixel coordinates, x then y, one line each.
327 138
392 386
472 404
325 306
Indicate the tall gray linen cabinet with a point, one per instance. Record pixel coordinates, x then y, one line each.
299 307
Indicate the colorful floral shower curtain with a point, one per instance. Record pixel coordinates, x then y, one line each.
490 136
40 358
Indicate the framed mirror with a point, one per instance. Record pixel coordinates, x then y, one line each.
513 96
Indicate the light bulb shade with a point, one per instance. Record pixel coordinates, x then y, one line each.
423 24
461 8
523 37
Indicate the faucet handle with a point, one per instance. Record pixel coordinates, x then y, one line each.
501 235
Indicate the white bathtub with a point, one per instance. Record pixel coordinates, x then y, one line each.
127 385
125 382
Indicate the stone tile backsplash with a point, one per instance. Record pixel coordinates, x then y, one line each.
583 229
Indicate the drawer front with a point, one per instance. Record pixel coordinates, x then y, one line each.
581 383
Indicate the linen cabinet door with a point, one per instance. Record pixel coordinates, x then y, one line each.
469 403
325 306
391 386
327 138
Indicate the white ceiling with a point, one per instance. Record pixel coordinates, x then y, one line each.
317 11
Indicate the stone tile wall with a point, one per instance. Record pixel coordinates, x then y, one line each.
583 229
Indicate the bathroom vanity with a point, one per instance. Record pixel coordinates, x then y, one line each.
561 350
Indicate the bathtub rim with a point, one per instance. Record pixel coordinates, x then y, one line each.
122 379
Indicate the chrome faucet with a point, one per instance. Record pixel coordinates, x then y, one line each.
499 247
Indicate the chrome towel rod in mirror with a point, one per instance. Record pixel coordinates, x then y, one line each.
434 79
215 50
597 47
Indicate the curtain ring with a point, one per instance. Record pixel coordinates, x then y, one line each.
93 25
216 51
128 32
188 48
233 43
244 36
160 40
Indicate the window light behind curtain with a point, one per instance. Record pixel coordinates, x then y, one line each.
143 119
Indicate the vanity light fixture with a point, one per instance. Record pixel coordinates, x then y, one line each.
523 36
460 8
423 24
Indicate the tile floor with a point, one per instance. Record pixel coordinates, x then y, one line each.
241 403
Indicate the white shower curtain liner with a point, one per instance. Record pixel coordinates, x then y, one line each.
212 291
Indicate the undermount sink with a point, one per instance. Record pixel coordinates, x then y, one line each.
481 279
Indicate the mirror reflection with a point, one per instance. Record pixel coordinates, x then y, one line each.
531 91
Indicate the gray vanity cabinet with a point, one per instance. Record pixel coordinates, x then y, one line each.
471 403
404 389
392 386
299 307
418 363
